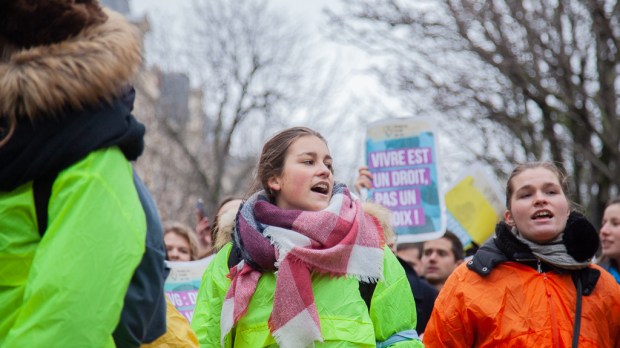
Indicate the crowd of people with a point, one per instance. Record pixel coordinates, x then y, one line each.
300 261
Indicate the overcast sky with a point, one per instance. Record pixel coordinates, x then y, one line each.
352 61
357 83
306 10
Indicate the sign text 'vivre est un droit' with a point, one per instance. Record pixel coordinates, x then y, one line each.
400 173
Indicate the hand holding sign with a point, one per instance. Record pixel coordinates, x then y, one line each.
403 165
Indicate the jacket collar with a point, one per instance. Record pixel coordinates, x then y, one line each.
506 247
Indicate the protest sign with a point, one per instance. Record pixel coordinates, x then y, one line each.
182 284
474 206
403 157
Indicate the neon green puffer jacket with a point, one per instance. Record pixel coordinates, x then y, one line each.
67 289
345 318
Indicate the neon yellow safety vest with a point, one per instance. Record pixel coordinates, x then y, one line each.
67 289
345 319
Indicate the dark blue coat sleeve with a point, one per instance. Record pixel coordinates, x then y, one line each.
143 318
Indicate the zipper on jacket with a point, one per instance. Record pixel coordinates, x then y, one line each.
555 333
540 270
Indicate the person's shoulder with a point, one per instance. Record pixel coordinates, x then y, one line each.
598 267
108 164
464 277
101 172
606 281
219 262
390 261
223 254
463 271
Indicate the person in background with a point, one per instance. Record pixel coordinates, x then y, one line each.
207 232
610 238
423 293
440 257
533 284
299 222
181 243
412 254
203 230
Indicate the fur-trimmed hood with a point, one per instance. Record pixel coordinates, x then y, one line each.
91 67
224 232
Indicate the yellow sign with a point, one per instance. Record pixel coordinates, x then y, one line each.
474 208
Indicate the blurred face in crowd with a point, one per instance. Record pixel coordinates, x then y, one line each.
177 247
306 181
610 232
412 256
538 206
438 261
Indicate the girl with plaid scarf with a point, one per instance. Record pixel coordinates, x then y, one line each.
305 245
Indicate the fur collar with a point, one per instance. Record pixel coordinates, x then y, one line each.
85 69
225 226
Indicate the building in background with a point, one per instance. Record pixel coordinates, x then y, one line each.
175 163
169 107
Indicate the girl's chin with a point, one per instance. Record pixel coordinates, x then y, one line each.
319 207
609 252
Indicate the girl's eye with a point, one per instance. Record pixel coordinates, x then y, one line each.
524 195
308 162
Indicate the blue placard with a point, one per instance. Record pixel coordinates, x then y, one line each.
403 157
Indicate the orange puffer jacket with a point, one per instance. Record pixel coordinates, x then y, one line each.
516 306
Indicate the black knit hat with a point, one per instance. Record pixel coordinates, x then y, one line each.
27 23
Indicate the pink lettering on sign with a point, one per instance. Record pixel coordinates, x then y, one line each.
400 158
403 198
184 302
402 177
408 217
181 299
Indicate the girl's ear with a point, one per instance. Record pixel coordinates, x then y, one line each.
274 184
508 218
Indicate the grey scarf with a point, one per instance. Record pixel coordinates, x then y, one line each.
553 252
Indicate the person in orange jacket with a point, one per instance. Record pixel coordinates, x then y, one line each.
533 284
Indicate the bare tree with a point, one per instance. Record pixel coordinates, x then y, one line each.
532 79
249 71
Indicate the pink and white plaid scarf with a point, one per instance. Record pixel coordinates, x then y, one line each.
340 240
